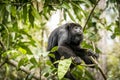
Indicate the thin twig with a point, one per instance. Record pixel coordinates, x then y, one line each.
94 47
40 73
90 15
89 65
2 45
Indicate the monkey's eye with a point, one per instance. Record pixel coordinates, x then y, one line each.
76 27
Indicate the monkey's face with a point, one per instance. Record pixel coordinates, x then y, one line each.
77 35
77 30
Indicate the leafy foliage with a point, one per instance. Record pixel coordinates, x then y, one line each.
113 66
81 73
63 67
22 30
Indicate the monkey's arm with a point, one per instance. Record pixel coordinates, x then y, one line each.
85 54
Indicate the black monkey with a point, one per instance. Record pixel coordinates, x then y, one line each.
68 38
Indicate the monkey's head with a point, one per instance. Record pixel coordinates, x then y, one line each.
75 33
75 29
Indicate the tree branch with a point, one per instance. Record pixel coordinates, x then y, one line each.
99 67
88 65
2 64
90 15
2 45
14 64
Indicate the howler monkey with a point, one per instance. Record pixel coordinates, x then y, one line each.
68 38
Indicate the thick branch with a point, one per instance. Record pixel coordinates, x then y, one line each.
13 63
90 15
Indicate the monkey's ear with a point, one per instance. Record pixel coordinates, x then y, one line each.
67 26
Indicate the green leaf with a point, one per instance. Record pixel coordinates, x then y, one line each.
51 55
32 42
22 31
63 67
2 28
31 17
45 12
15 27
35 13
77 13
78 72
89 46
117 30
46 74
13 10
48 62
93 1
81 73
65 5
5 16
25 13
54 49
78 7
22 50
70 15
113 36
22 62
87 3
33 61
13 54
64 13
25 47
86 45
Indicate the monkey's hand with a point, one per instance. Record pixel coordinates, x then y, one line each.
90 53
76 60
